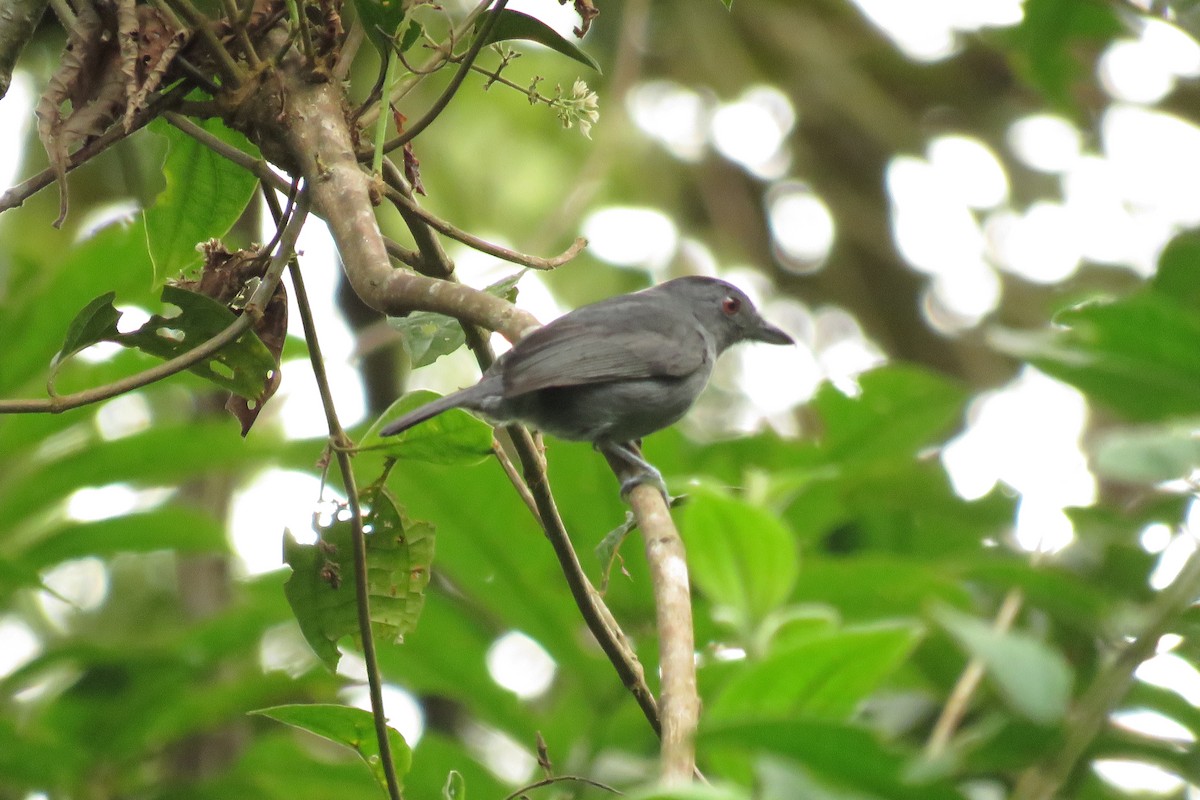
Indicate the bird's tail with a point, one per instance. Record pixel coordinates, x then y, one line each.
427 411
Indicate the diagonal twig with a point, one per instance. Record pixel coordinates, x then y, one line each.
341 446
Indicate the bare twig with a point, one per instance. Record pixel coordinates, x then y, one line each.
341 446
482 245
514 478
201 23
435 110
348 50
239 27
561 779
18 194
595 613
964 689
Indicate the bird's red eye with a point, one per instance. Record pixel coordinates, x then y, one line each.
731 305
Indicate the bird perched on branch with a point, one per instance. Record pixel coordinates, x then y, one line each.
615 371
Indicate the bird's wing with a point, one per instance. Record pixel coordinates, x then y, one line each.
623 338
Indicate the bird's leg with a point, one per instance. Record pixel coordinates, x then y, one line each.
630 454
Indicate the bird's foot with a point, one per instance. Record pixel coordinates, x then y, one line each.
649 475
642 470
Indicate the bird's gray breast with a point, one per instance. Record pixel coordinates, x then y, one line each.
616 411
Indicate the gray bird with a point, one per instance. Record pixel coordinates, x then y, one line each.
614 371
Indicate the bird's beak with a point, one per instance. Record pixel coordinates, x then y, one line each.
766 332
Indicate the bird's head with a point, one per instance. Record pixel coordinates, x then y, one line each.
724 310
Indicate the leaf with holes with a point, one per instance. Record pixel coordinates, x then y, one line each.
321 589
96 322
243 367
351 727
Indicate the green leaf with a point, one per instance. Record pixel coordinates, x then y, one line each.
515 25
178 528
1031 676
826 677
454 437
1136 355
742 556
899 410
321 587
1147 455
205 195
351 727
456 786
877 586
1178 274
381 20
1051 48
842 755
96 322
242 367
428 336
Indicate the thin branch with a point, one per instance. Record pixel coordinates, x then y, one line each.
348 50
482 245
435 62
561 779
201 23
231 333
402 254
514 478
18 194
239 28
1088 717
341 445
447 95
591 606
302 25
256 166
964 689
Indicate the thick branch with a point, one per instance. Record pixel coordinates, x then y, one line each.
679 701
317 138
